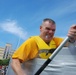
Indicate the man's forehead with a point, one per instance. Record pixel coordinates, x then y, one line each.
49 23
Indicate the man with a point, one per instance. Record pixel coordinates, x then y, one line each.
41 46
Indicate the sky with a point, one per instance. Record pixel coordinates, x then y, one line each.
20 19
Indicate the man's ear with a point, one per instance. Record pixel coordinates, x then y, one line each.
40 28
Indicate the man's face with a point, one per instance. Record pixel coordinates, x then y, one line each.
47 31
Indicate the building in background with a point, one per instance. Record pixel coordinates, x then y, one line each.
8 49
2 52
6 52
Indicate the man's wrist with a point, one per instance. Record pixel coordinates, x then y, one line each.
71 40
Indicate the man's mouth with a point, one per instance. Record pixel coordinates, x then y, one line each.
48 36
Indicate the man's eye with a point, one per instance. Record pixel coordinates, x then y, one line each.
53 30
48 28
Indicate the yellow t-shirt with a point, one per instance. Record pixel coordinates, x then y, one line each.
29 49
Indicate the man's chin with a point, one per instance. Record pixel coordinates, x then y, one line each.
48 40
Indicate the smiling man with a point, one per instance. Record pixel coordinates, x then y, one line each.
41 46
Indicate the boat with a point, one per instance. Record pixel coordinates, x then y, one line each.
64 63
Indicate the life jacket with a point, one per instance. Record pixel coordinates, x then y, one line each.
45 50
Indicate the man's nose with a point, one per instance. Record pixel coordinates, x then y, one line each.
51 31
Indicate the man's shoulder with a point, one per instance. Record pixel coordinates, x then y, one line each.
57 37
31 39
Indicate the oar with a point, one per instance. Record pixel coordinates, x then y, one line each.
52 56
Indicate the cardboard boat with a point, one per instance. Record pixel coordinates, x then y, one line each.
64 63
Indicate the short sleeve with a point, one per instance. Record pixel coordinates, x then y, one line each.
28 50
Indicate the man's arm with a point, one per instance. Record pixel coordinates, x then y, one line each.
16 66
72 35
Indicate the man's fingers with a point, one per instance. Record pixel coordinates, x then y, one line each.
73 26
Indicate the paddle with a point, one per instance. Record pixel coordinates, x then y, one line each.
52 56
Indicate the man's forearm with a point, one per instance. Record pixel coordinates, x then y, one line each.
16 66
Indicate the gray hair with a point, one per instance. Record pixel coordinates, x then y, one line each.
48 19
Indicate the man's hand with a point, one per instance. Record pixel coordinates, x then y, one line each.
72 33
